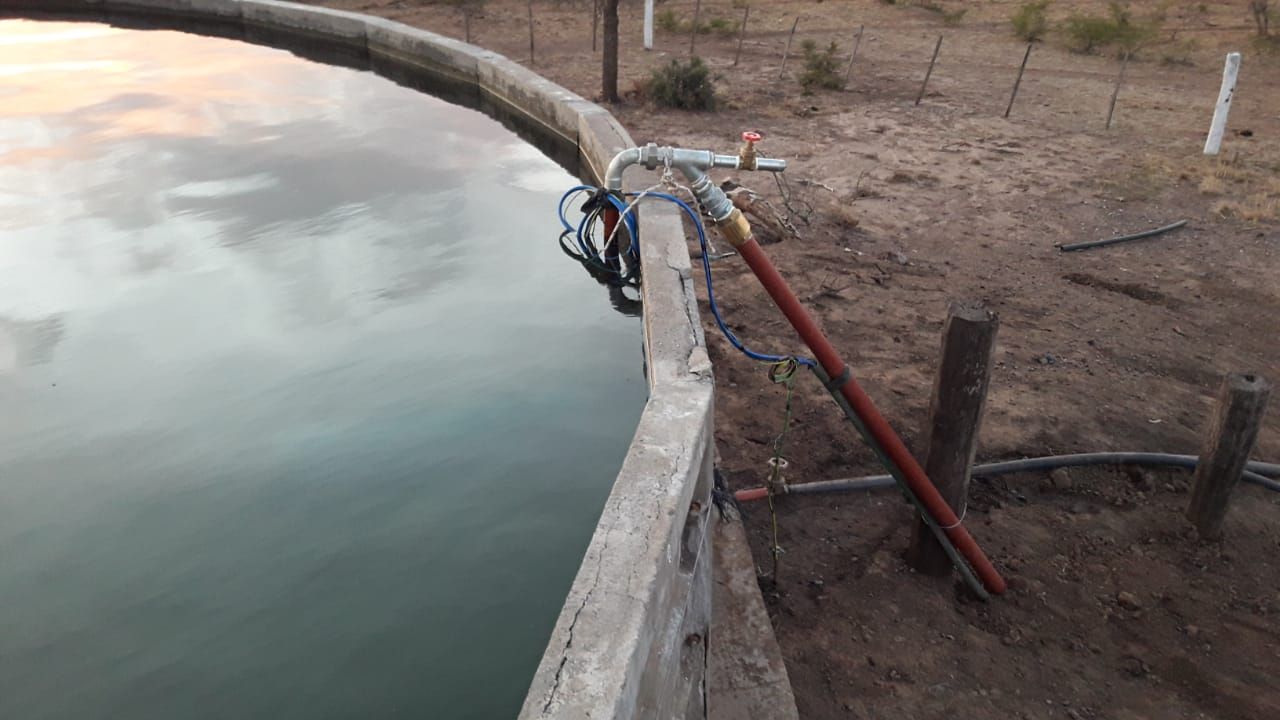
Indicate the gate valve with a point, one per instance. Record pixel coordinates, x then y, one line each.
747 155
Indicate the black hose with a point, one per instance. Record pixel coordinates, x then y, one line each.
1255 472
1122 238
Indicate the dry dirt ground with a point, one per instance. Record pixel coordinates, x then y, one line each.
1115 609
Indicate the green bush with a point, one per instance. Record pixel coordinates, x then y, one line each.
821 68
1031 21
721 26
684 86
1118 29
668 20
1088 33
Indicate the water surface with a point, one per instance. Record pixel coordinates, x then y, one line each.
304 413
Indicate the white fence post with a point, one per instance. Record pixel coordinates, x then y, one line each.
648 24
1219 126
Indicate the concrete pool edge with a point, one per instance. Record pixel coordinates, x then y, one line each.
632 638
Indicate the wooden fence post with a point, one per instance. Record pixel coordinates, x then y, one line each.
1213 144
928 74
1242 401
742 34
693 31
1018 83
854 55
531 32
787 52
648 24
955 412
1115 94
609 61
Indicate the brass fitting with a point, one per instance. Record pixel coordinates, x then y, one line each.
735 229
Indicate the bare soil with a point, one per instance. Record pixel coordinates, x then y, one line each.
1115 610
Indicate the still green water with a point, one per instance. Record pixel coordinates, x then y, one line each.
303 414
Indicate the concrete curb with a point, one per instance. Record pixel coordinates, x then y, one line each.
631 641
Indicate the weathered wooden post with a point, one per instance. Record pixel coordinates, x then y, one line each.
531 32
1115 94
929 73
609 63
648 24
1213 144
857 41
693 31
1242 401
955 412
742 34
1018 83
787 52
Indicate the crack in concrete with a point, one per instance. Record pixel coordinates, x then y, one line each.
687 294
564 653
702 681
678 470
690 297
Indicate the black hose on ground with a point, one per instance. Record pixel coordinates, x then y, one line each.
1255 472
1123 238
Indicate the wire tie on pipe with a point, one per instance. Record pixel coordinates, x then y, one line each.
668 178
834 385
784 371
960 520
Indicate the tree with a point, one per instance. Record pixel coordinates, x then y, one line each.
609 78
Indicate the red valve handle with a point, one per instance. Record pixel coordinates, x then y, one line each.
751 137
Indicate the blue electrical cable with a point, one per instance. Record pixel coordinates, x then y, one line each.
596 257
711 293
587 251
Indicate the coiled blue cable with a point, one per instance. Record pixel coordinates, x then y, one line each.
582 234
589 252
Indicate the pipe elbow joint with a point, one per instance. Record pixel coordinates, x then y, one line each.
619 164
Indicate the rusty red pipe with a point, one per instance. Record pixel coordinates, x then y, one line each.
611 219
611 216
751 494
866 410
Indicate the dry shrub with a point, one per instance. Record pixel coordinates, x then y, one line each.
1118 30
1178 52
1255 208
669 20
844 217
1212 185
1031 21
1250 194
